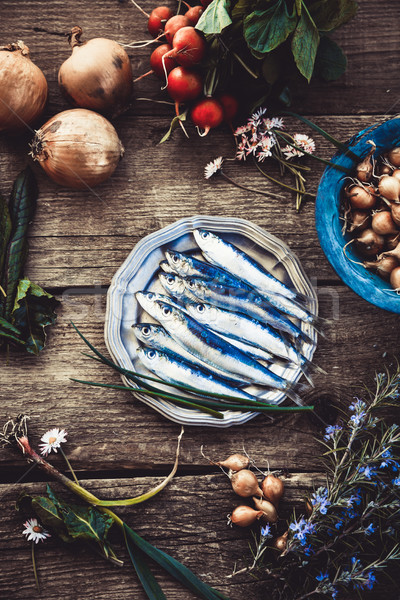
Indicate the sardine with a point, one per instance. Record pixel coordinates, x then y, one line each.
171 368
238 300
164 265
155 336
208 346
227 256
175 286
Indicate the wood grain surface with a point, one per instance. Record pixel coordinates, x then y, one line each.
118 445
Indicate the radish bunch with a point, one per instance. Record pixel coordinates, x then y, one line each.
178 60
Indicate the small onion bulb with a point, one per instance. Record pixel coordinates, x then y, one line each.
244 516
272 488
23 88
77 148
97 75
245 484
234 462
267 508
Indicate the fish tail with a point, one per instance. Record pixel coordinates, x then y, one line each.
301 338
305 363
290 393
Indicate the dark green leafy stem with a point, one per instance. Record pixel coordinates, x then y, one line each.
25 308
226 402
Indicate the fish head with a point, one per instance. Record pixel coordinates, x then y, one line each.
203 313
147 332
149 356
166 267
172 283
195 286
146 301
177 261
206 239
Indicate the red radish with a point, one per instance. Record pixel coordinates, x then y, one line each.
194 13
230 106
157 20
188 47
173 25
157 63
206 114
184 85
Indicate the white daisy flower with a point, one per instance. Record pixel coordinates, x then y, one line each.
304 141
35 532
242 129
290 152
212 168
274 123
52 440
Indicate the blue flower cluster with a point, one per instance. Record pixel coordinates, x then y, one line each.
331 431
302 529
359 409
319 500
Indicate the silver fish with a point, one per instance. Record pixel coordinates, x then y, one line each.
176 287
227 256
188 266
165 266
238 300
171 368
208 346
155 336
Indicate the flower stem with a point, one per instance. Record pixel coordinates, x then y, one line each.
242 187
34 567
69 465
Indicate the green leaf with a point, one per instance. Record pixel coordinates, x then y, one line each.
5 232
173 125
332 14
215 18
305 42
83 523
271 68
242 8
264 30
172 566
9 332
33 310
48 514
330 62
21 208
146 577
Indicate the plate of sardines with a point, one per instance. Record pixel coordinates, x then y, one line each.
219 306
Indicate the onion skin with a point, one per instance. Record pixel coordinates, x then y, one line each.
389 188
382 223
272 489
97 75
369 243
23 88
383 266
244 516
245 484
281 542
235 462
269 511
361 198
360 220
77 148
394 157
395 278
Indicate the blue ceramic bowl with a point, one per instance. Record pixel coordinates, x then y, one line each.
369 286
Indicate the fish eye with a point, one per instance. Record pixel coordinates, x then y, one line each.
204 234
146 330
170 279
200 308
166 311
150 295
151 354
175 258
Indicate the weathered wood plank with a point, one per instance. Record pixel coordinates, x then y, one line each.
369 41
109 429
187 520
79 238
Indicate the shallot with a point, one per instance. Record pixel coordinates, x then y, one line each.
244 483
244 516
272 488
369 243
269 510
389 188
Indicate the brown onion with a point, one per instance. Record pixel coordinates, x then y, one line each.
281 541
360 220
389 188
234 462
394 157
97 75
23 88
395 278
382 222
272 488
395 212
395 252
77 148
361 197
245 484
383 266
268 509
396 173
391 241
369 243
365 168
244 516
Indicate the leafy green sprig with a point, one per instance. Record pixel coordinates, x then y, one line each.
349 536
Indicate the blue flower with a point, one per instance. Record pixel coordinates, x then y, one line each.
396 481
331 430
371 580
367 471
322 576
266 531
370 529
339 525
320 500
308 550
301 528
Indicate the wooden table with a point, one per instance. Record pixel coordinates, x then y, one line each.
119 446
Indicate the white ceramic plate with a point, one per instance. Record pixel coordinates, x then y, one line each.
139 272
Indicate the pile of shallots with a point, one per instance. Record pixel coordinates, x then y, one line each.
265 496
371 204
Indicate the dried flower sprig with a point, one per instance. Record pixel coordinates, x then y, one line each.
350 532
262 138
